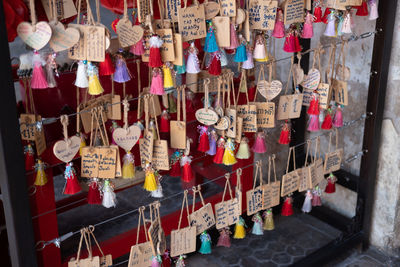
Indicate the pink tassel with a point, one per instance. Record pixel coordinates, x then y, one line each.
138 48
279 28
157 83
259 145
338 118
38 80
313 123
234 38
224 240
308 31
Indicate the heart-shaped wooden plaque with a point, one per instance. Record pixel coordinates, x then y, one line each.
312 79
206 117
269 90
222 124
36 39
66 152
211 9
61 38
127 138
128 35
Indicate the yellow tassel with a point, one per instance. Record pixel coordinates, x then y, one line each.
264 59
128 169
229 158
150 183
240 231
82 145
268 221
243 151
95 86
168 82
41 178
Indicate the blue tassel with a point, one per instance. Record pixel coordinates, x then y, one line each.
240 55
180 69
205 243
210 45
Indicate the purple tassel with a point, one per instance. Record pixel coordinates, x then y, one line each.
121 74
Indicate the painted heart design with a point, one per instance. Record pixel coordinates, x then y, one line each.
66 150
312 79
36 39
222 124
127 138
128 35
269 90
62 39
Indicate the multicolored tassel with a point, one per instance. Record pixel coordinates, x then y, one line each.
331 186
157 83
164 122
259 48
81 80
249 63
279 28
330 30
155 54
150 183
212 140
327 123
258 224
138 48
373 13
95 87
362 10
94 197
72 185
41 177
338 118
175 164
268 220
106 68
167 74
234 38
29 157
205 239
51 67
214 68
192 64
224 239
210 45
308 31
228 158
187 172
287 208
121 74
240 230
128 168
284 138
220 151
316 199
204 143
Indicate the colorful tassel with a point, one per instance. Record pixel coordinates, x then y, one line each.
94 83
157 84
150 183
316 199
292 44
158 193
192 64
121 74
72 185
223 58
258 224
214 68
308 31
175 164
327 12
362 10
313 123
234 38
243 151
210 45
138 48
287 209
338 118
268 220
205 239
180 262
51 67
373 13
224 239
109 197
212 140
106 68
164 122
128 168
259 145
187 172
220 151
313 108
327 123
249 63
166 259
279 28
307 206
156 261
41 177
259 48
81 75
38 80
331 186
318 14
284 138
347 23
155 54
180 69
204 143
167 74
330 30
241 54
94 196
240 231
29 157
228 158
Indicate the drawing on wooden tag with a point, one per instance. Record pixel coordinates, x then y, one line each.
265 114
36 36
228 8
61 38
191 22
128 34
127 138
294 11
289 106
202 218
262 14
65 150
312 79
290 180
227 212
211 9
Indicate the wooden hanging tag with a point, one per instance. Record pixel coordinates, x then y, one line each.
27 126
268 89
147 142
171 11
290 181
65 150
105 260
238 189
254 197
246 27
240 16
294 11
90 261
305 172
40 141
248 113
289 106
128 34
230 112
167 48
79 50
265 114
222 30
206 115
63 9
333 159
178 127
191 22
107 162
118 169
317 170
203 218
155 232
178 50
144 9
183 240
89 162
271 192
262 14
211 9
239 129
228 8
341 93
62 39
34 35
227 212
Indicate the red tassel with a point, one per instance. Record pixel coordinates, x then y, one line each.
94 196
362 10
187 172
220 151
292 43
318 14
327 123
204 143
175 169
297 45
215 66
284 138
287 209
29 158
155 54
313 109
106 68
326 14
164 122
166 259
331 186
72 185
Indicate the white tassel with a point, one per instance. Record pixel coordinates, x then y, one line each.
307 205
81 76
158 193
155 41
109 197
25 61
346 26
373 13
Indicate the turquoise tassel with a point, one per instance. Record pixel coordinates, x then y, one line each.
180 69
240 55
258 225
205 243
210 44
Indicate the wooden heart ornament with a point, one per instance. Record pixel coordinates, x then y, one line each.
211 9
206 117
35 36
343 72
62 39
312 79
127 138
65 150
222 124
128 35
269 90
